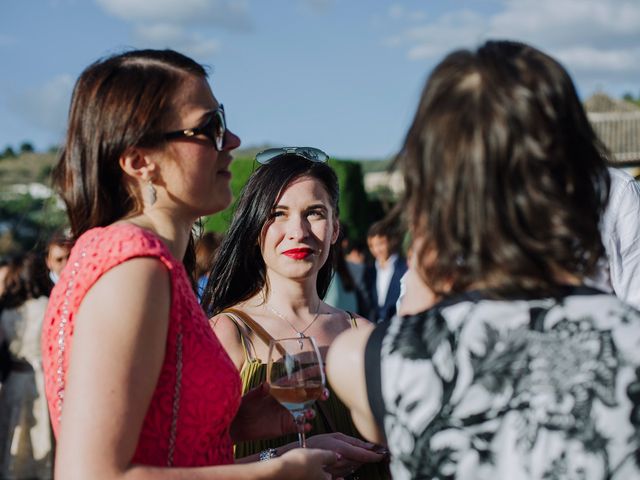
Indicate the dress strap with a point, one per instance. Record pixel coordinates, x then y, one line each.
352 319
235 318
251 324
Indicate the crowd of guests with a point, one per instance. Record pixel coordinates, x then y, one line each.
486 329
26 441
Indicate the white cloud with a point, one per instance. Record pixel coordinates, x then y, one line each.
450 31
597 41
399 12
229 14
173 36
45 106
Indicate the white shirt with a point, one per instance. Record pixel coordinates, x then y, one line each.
620 230
383 278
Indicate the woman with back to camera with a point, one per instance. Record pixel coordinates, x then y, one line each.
138 386
272 270
518 370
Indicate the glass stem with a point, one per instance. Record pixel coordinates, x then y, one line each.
300 421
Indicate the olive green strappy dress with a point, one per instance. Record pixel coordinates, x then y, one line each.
332 414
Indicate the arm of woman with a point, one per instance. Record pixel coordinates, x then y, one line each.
118 351
350 383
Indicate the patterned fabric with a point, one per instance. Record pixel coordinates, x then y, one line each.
205 390
544 388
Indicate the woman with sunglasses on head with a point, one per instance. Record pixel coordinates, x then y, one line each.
518 370
137 384
272 270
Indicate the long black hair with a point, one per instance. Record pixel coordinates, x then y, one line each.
239 271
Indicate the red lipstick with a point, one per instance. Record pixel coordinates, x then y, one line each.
298 253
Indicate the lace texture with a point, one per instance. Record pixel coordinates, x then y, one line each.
207 387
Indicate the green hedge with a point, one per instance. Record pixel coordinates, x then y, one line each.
354 205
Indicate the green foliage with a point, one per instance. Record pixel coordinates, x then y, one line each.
354 205
26 147
629 97
8 153
30 221
241 169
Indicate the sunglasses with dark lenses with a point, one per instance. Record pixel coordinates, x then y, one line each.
215 129
310 153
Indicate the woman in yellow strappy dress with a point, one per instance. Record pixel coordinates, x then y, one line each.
272 270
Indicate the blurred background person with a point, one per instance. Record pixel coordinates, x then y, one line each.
355 253
518 370
619 271
342 292
25 434
206 248
57 254
382 277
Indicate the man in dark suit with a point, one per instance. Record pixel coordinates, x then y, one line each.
382 279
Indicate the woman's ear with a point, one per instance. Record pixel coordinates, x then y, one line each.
336 231
137 165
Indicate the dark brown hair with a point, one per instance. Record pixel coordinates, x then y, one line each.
26 278
387 228
505 179
118 102
206 250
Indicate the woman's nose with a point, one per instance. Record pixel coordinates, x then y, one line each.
297 229
231 141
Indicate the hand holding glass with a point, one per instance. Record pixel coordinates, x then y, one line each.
296 376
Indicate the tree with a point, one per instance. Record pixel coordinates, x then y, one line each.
8 152
354 204
26 147
630 98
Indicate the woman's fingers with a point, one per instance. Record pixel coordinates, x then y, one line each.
359 454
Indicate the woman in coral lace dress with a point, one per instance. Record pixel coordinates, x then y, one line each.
138 386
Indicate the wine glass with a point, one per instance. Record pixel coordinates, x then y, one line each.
296 376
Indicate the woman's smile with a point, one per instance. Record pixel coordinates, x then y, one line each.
298 253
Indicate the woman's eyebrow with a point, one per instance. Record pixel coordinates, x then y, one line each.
317 206
205 116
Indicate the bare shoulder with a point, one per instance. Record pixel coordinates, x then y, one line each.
350 383
229 333
349 346
139 284
362 321
224 326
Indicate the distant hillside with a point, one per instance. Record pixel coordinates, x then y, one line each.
27 168
36 167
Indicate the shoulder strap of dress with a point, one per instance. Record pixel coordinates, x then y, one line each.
243 340
352 319
251 324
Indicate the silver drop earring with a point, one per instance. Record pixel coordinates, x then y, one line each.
151 193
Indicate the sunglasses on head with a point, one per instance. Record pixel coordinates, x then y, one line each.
215 129
310 153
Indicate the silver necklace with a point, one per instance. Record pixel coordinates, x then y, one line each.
299 332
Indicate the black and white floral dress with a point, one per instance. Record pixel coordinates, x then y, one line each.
524 388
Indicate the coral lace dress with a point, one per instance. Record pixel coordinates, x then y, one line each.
198 391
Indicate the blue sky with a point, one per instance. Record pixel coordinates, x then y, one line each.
342 75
